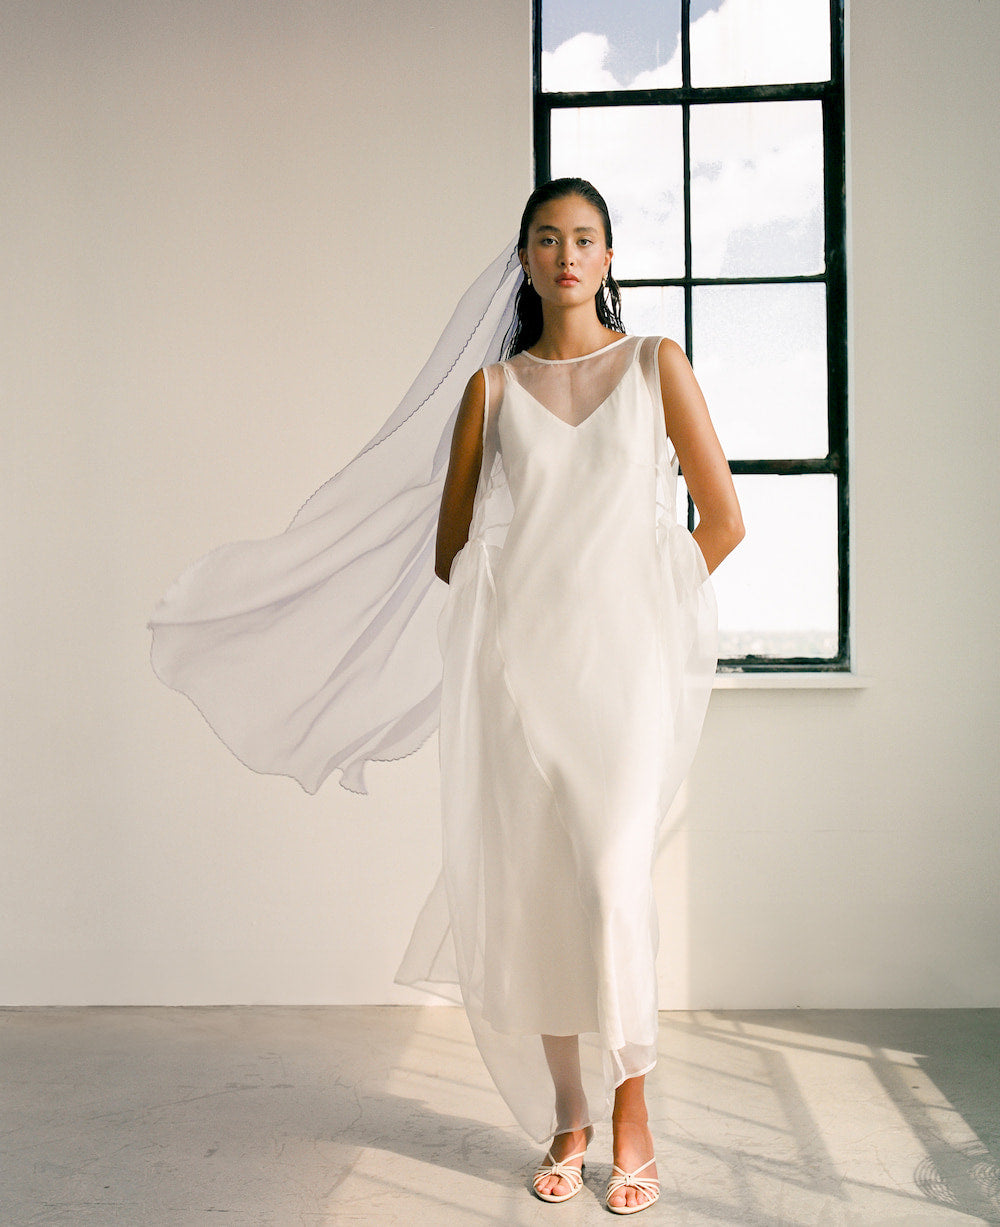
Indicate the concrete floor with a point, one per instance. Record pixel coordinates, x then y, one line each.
279 1116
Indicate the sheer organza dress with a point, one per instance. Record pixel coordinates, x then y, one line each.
579 646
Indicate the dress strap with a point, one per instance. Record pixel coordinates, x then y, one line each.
649 354
486 407
496 379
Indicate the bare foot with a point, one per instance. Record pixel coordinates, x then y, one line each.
563 1145
633 1146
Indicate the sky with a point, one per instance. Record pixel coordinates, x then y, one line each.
733 42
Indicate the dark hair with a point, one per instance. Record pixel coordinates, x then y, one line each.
526 327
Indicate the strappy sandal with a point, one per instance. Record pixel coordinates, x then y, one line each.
646 1185
572 1175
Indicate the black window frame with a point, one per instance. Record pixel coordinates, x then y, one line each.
831 95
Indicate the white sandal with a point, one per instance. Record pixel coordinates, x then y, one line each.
572 1175
625 1180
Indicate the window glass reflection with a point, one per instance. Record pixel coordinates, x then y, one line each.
760 357
654 311
757 189
777 593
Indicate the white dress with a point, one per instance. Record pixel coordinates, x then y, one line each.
579 646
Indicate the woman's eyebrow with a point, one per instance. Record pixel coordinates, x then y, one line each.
577 230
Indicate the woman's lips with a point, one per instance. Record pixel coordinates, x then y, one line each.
567 280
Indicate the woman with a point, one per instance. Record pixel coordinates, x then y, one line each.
579 648
578 637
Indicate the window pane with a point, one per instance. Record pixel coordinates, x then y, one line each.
589 44
654 311
759 42
682 501
778 592
634 157
760 357
757 189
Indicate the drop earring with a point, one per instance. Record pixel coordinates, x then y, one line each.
527 276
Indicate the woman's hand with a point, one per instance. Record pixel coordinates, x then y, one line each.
460 483
706 473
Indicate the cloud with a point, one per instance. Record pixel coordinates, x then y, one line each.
760 43
578 64
743 42
757 188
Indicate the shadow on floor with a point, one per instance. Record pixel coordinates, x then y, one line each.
276 1115
900 1106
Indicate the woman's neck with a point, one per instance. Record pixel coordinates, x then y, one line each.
571 334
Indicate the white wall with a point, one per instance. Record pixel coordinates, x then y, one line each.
233 234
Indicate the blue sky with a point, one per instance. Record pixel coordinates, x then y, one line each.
642 34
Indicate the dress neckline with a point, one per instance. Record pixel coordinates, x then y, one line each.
582 358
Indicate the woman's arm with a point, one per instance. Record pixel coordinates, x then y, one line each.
720 523
463 475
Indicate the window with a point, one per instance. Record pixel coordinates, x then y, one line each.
715 129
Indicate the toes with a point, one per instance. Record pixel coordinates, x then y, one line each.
628 1197
554 1186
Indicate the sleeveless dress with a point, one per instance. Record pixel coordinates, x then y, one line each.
578 641
579 645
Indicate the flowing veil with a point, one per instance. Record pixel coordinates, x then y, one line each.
317 649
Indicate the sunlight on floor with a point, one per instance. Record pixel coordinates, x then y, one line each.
279 1115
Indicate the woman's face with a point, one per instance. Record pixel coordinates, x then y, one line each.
566 254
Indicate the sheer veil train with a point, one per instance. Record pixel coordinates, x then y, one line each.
317 649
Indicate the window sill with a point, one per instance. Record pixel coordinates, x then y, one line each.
819 680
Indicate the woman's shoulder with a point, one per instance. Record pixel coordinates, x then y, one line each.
660 342
485 386
492 374
670 356
662 351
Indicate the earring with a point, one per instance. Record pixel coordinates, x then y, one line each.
604 282
527 276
